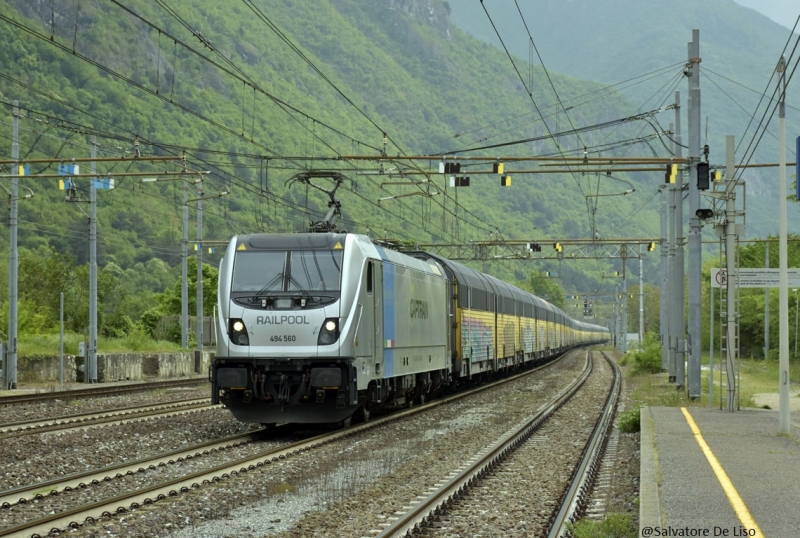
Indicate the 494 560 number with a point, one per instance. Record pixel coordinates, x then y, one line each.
282 338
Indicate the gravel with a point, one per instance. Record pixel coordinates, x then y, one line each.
346 488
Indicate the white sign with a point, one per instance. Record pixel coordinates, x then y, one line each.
755 278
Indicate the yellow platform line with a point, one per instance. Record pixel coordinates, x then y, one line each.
734 498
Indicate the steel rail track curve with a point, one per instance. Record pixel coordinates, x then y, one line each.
574 503
423 512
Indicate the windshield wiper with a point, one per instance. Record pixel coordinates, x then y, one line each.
299 287
277 278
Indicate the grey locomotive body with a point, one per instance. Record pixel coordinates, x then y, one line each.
313 326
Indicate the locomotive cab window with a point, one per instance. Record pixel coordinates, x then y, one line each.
315 270
287 271
259 271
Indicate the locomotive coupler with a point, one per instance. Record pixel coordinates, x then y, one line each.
283 391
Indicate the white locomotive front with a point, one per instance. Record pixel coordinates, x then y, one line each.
312 327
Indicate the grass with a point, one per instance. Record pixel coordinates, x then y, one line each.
755 376
613 526
48 344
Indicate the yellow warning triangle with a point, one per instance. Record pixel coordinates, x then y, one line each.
241 247
337 246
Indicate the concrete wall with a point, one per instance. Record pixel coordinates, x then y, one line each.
175 364
119 367
115 367
43 369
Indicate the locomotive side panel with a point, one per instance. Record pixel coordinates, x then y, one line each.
414 321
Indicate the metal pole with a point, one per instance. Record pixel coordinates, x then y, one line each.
10 380
184 270
796 311
766 305
618 322
61 342
91 371
733 275
711 351
200 267
641 298
783 357
672 278
624 305
664 289
680 292
695 246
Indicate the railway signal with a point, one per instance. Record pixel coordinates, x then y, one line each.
703 177
704 213
671 174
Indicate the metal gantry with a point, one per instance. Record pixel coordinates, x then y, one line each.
518 249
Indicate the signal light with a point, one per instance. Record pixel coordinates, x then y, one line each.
533 246
498 168
452 168
671 174
652 246
505 181
459 181
704 213
702 176
558 247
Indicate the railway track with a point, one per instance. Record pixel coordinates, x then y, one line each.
99 390
231 475
40 490
452 498
112 416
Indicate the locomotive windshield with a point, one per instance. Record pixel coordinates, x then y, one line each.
287 271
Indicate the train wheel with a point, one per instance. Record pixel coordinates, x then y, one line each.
347 422
422 399
366 414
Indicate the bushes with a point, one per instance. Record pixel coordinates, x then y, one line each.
648 358
630 421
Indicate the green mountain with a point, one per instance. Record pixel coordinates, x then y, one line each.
641 48
256 93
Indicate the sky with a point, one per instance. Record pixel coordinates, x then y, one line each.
783 12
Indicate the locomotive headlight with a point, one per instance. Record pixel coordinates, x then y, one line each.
329 333
238 332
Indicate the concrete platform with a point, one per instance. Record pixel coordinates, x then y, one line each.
744 482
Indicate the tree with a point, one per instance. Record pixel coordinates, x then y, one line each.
541 285
43 276
171 299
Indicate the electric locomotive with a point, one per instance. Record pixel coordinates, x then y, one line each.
313 326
